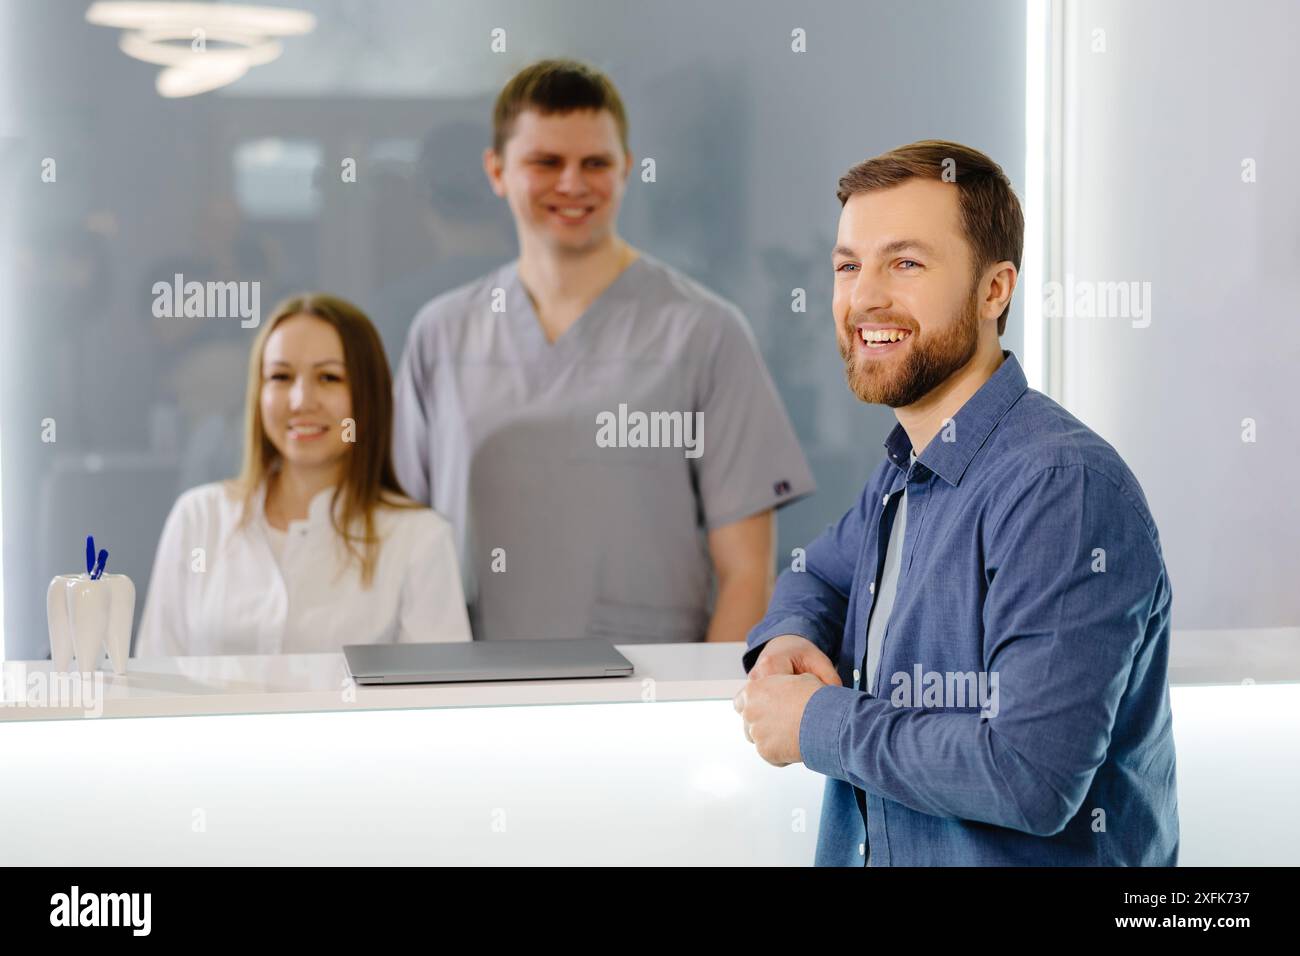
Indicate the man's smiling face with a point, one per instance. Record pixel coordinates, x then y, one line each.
563 175
905 299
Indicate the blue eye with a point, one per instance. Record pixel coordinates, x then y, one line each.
841 266
913 261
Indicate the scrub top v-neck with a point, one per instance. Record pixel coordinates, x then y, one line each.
533 341
560 534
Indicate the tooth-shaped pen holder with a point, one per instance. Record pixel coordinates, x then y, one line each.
86 617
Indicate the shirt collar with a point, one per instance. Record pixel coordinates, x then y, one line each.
318 510
973 424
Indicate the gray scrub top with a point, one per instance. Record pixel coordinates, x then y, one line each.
559 535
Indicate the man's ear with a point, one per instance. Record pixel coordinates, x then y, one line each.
492 167
1001 278
630 161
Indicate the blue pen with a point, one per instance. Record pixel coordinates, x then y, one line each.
99 569
90 554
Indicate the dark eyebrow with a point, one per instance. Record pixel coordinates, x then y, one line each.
543 154
890 248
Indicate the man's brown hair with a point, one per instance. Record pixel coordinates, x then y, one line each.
990 212
555 86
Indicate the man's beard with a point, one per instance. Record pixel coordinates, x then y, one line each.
927 362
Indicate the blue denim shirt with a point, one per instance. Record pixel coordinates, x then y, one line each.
1031 563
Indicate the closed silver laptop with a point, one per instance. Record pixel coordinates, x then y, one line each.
484 661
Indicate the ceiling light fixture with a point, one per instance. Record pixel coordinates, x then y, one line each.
176 36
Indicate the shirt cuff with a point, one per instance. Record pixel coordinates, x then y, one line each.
793 624
822 728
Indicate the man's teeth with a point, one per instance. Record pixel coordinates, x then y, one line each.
884 335
572 212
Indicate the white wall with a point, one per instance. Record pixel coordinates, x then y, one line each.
1156 129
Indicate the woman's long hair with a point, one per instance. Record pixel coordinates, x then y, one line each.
369 477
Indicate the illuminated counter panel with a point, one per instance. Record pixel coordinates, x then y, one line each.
476 774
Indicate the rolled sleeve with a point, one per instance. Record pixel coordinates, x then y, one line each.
751 459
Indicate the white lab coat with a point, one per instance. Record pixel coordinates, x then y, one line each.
218 588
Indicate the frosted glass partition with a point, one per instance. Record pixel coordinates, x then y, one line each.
749 139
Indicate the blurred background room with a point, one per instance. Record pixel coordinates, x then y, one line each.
1148 143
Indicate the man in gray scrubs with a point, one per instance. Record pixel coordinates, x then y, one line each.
599 428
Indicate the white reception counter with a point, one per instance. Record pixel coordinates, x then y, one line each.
192 686
284 760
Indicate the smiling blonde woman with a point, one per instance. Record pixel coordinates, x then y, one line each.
314 545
